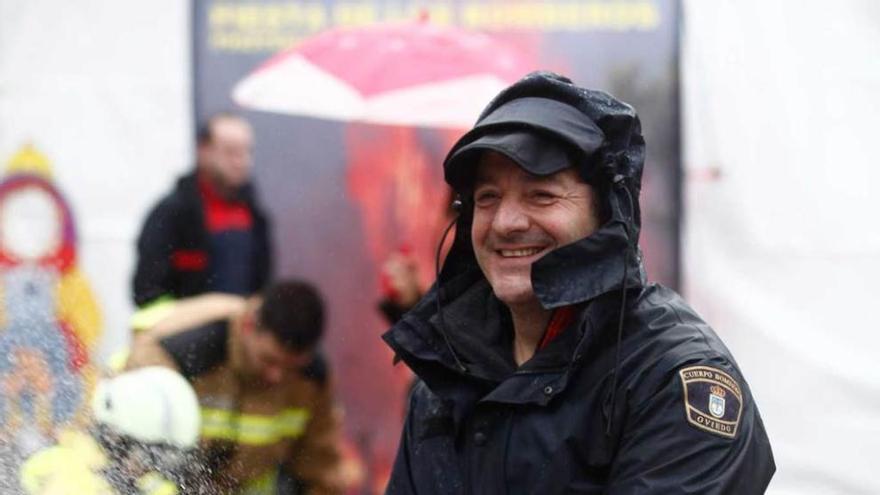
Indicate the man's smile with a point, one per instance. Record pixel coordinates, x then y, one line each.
519 252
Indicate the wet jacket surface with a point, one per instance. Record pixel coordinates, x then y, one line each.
542 428
248 429
638 395
174 246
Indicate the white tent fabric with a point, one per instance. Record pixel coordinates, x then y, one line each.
103 89
781 248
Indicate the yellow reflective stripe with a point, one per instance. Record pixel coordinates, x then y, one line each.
261 485
151 313
155 484
254 429
292 422
217 423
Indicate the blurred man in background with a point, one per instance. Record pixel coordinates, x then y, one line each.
209 234
268 411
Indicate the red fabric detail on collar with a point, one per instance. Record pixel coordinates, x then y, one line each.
221 213
560 319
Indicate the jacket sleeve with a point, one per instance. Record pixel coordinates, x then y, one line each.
401 480
669 443
154 247
189 312
316 461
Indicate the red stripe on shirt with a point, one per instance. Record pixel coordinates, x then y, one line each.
223 214
189 259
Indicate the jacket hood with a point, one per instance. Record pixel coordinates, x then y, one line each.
602 139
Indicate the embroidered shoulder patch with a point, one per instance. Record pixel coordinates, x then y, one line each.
713 400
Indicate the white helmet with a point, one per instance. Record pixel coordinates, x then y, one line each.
152 405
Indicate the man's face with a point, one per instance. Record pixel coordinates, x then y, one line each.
226 157
520 217
265 358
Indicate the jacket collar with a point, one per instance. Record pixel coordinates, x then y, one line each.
479 331
491 374
588 268
188 187
476 328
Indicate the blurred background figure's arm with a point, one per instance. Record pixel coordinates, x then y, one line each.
400 285
172 315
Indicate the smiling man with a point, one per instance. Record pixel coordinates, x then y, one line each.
547 363
519 217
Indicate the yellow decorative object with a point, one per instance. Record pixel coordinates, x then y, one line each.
153 483
152 313
71 467
29 160
50 321
76 305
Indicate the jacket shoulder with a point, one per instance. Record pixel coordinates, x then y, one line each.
669 341
184 194
661 318
683 395
181 198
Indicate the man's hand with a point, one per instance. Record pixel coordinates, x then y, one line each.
400 279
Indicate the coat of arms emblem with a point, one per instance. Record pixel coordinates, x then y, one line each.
716 401
713 400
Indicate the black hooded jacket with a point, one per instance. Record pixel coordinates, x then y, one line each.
637 396
174 252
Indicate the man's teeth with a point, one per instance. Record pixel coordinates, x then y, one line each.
517 253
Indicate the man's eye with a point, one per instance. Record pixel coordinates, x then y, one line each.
485 197
543 196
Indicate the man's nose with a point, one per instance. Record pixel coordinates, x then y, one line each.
510 217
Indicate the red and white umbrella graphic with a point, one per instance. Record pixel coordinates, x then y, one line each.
410 74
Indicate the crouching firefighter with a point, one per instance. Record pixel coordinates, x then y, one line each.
547 363
145 426
270 423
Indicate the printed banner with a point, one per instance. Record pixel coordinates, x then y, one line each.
351 178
